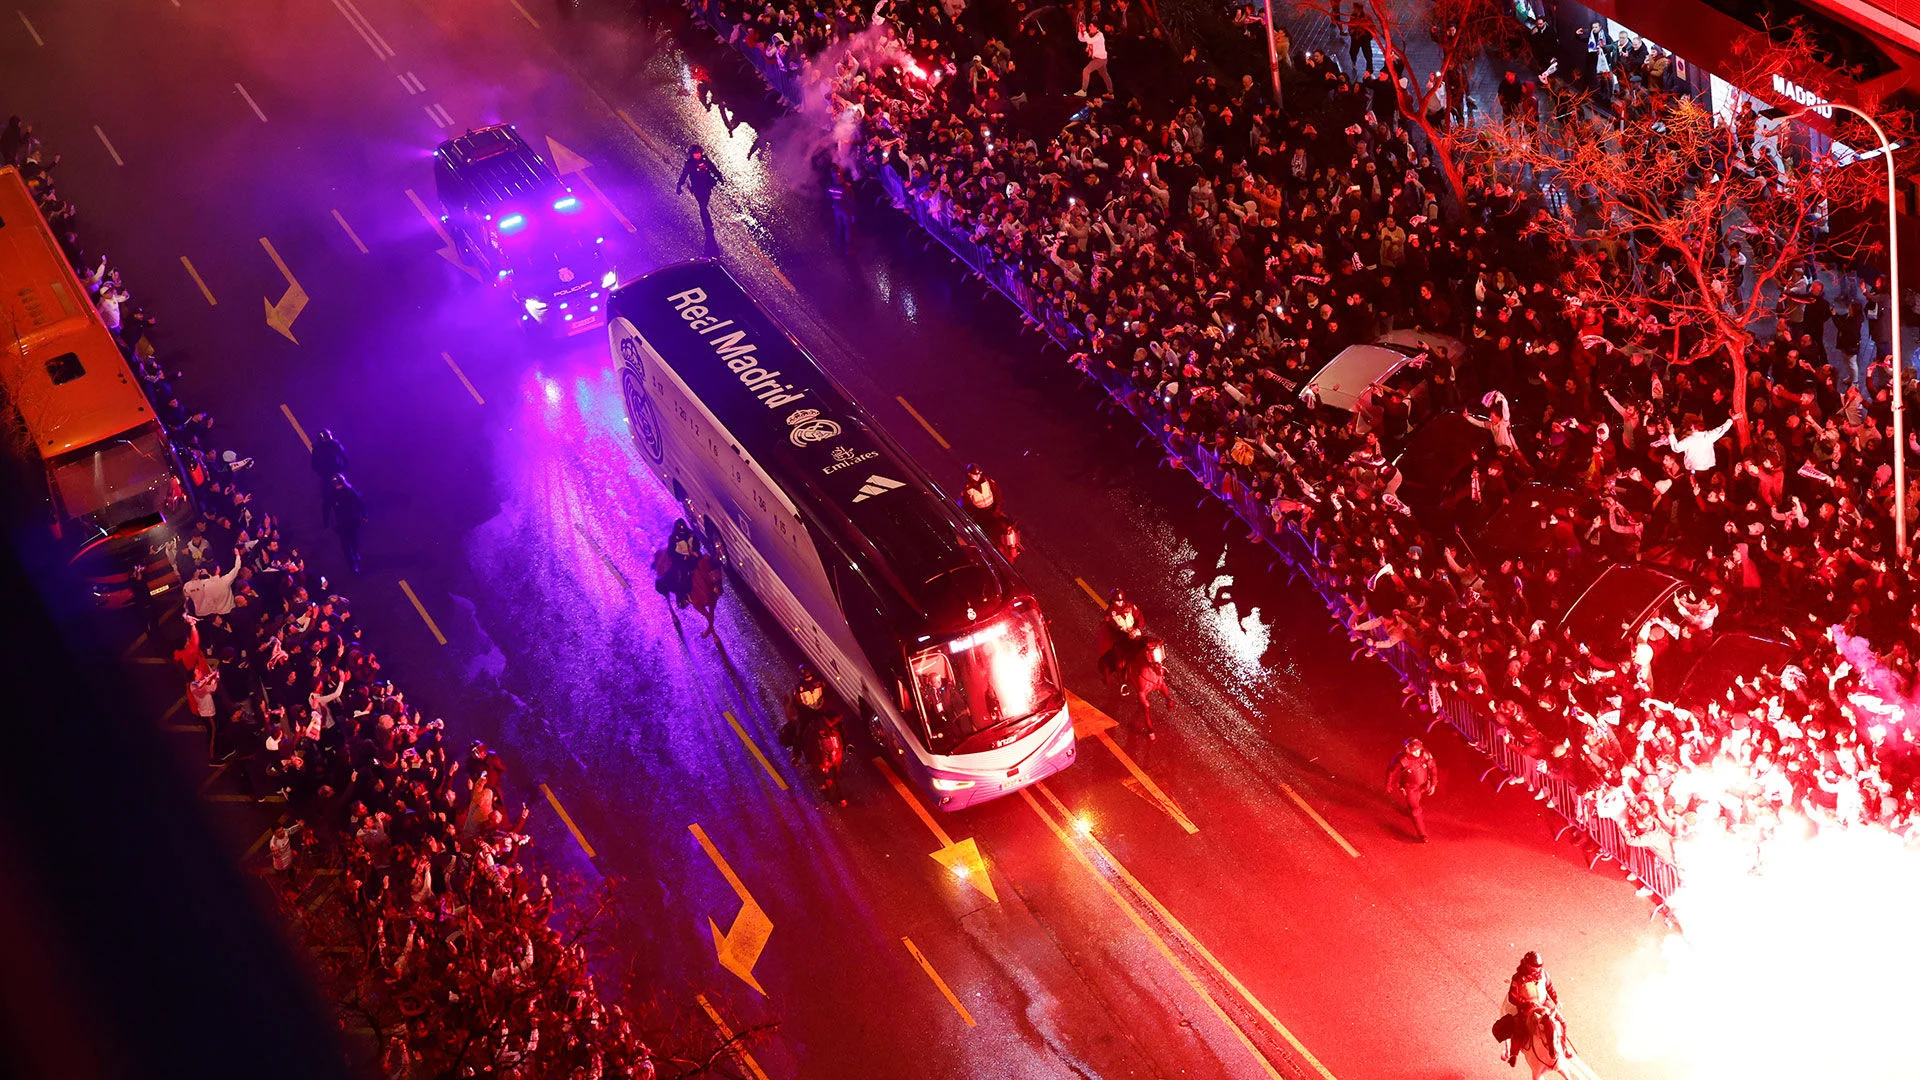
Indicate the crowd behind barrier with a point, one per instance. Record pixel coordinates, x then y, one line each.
457 950
1201 251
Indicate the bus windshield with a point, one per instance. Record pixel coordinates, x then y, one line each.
977 689
112 483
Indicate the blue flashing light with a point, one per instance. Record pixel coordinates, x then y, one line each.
569 318
504 274
593 309
513 223
567 204
563 307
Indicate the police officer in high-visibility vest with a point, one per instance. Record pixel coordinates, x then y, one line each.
982 497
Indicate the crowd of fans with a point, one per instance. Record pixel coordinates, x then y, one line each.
456 953
1213 248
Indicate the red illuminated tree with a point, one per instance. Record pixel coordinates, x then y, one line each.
1691 218
1461 32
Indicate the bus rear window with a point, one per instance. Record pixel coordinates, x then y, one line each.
985 683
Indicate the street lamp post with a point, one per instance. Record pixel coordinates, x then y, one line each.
1893 310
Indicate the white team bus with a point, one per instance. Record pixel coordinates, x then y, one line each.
900 601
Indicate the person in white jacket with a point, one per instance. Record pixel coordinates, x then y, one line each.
1096 43
1696 450
210 595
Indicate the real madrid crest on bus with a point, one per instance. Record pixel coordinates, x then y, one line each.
804 427
633 388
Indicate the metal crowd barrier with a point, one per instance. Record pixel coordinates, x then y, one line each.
1647 868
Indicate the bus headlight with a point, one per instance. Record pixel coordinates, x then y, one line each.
941 783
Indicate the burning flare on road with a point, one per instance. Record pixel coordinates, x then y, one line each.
1797 960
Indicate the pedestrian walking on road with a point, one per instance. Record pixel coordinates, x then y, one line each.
840 194
700 174
1412 777
345 511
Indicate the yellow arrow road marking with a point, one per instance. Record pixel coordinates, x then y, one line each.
568 163
961 858
747 741
920 958
727 1037
280 316
447 249
1087 720
195 275
1320 821
1079 843
578 836
740 947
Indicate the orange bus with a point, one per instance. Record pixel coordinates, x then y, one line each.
78 413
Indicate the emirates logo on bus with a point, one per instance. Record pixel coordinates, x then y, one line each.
805 427
876 485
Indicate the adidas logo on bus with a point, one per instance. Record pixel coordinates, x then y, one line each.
876 485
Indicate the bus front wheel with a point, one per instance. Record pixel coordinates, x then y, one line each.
881 735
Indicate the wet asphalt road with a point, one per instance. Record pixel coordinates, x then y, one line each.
1295 922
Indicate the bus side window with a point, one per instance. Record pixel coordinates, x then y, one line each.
870 630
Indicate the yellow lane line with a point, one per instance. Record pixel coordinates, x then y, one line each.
351 235
747 741
297 429
424 617
578 836
1097 598
31 30
218 771
1164 800
195 274
262 841
109 145
777 272
174 708
183 729
915 413
1159 943
1320 821
728 1038
947 991
651 142
148 660
524 14
229 798
252 104
719 863
433 219
135 647
464 381
925 815
604 557
1179 928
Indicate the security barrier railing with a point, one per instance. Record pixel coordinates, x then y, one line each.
1645 867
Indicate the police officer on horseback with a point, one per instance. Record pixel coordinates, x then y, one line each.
815 733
